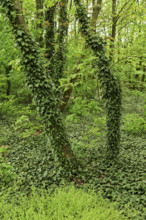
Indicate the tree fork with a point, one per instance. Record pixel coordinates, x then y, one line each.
111 86
41 87
68 92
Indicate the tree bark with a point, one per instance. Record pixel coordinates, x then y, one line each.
95 14
8 69
50 39
114 27
60 56
39 16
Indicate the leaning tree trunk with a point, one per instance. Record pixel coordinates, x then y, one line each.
114 27
112 89
41 87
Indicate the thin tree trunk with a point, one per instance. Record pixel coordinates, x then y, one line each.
95 14
8 69
60 56
114 27
50 38
70 5
39 16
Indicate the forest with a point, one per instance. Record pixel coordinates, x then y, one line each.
72 109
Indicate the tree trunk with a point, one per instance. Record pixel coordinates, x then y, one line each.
39 16
8 69
112 89
95 14
114 27
60 56
50 39
41 87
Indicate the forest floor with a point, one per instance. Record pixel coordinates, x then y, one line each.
34 163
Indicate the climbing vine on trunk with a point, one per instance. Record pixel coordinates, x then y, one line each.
60 54
50 38
44 87
41 86
56 56
111 86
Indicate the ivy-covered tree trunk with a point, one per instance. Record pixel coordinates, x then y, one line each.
41 86
50 36
60 57
56 57
111 87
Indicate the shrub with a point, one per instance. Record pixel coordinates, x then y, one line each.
134 124
25 127
6 173
68 203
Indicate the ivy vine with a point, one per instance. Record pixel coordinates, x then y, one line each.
111 86
50 38
42 87
63 27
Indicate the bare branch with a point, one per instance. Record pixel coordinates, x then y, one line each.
118 16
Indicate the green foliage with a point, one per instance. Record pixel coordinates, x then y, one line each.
80 63
32 154
34 161
42 87
51 3
25 127
64 203
36 165
6 174
134 124
124 181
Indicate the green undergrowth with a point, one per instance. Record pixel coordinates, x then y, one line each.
68 203
34 164
123 181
